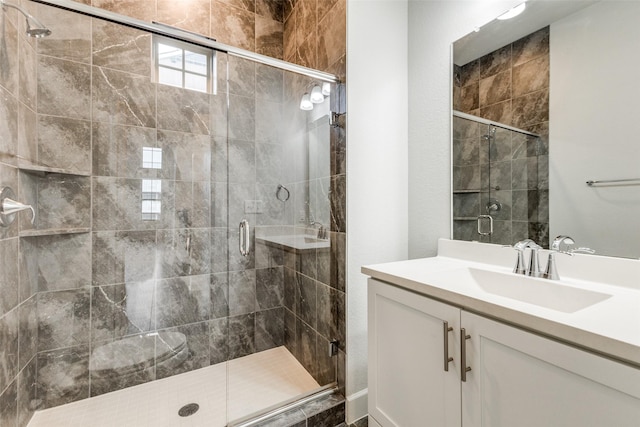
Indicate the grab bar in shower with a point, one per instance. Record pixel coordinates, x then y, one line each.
631 181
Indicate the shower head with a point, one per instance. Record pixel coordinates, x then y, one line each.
38 30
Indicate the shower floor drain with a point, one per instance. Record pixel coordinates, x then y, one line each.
188 409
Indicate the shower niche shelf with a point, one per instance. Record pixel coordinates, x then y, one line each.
28 167
53 232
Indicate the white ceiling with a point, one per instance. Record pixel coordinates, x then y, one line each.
495 34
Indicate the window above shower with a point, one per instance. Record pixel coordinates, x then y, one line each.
183 65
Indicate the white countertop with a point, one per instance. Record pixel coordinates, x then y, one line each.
610 327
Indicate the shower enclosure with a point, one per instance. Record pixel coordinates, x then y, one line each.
182 221
500 182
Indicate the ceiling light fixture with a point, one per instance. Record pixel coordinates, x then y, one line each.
512 13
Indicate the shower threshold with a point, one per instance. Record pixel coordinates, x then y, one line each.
227 391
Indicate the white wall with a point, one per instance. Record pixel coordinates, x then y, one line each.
591 136
376 165
433 26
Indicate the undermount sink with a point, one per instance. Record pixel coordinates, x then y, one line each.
545 293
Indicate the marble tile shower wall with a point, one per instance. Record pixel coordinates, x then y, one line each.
510 86
18 300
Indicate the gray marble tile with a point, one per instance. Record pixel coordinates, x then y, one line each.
268 256
495 88
8 127
307 301
123 257
469 72
183 110
27 399
500 147
63 202
194 17
531 109
63 261
466 151
465 230
306 263
539 232
500 112
64 143
9 60
519 231
184 252
218 340
27 79
269 34
292 418
543 172
197 336
130 196
499 176
28 284
290 337
9 327
531 76
64 88
291 293
242 118
123 98
268 162
70 34
242 162
269 287
338 203
269 83
63 376
501 233
241 335
520 208
306 342
219 250
466 205
242 292
504 198
121 310
327 300
105 380
466 177
118 151
121 48
28 331
328 418
341 319
27 134
337 268
181 301
218 114
531 46
543 206
9 277
63 319
269 329
9 405
495 62
242 77
186 157
325 364
338 141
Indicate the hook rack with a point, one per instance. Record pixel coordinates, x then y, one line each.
9 207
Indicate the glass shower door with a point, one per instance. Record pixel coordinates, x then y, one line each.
281 303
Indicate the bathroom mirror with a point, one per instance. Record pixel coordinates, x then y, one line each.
555 150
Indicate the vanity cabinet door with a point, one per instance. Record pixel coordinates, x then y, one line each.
521 379
408 384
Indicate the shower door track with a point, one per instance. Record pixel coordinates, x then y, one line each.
477 119
276 410
187 36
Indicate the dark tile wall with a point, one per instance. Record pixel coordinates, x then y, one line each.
509 86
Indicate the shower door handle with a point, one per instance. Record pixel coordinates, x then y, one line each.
244 238
480 219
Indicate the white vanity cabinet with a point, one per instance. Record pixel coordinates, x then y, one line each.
408 384
517 378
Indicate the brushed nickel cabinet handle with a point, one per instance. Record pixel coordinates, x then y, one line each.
463 354
445 331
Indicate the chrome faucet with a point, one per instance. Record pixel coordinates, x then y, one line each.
551 272
533 267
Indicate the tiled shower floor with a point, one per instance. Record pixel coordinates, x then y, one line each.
254 382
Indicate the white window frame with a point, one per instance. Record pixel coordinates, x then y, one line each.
183 46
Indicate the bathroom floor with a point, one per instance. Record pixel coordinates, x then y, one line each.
252 382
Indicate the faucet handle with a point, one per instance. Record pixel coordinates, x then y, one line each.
551 272
534 262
